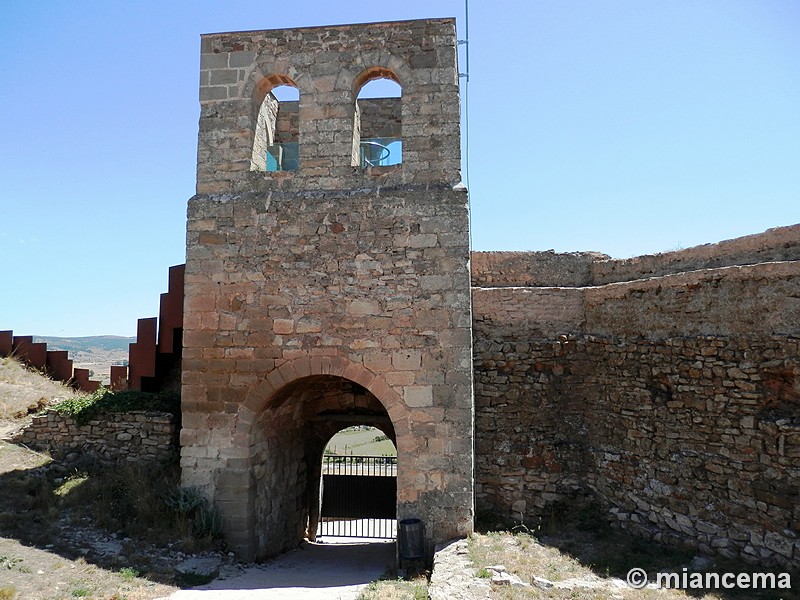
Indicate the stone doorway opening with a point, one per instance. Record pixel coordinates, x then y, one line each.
288 443
358 494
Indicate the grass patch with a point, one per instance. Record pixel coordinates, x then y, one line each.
397 589
81 592
84 408
8 593
70 484
24 391
596 559
147 502
9 562
128 574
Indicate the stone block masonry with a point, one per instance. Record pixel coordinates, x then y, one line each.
329 293
328 65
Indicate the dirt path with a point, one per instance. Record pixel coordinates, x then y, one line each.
312 572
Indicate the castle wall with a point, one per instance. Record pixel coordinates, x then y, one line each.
674 401
578 269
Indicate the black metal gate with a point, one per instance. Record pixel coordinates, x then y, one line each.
359 496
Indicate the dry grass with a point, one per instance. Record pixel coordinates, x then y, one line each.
50 513
40 574
526 557
415 589
23 391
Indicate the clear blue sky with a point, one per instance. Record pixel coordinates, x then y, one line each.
621 126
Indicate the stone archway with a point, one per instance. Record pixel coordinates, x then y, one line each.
268 489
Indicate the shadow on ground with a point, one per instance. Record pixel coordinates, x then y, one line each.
584 535
322 571
88 511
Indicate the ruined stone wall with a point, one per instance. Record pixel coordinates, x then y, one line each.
134 436
674 401
773 245
698 440
685 440
577 269
533 269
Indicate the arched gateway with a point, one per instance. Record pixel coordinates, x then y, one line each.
331 291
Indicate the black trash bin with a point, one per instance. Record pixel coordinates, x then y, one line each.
410 539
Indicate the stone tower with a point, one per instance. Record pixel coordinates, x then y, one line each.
327 286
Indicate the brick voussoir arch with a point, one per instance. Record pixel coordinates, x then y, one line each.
259 84
259 395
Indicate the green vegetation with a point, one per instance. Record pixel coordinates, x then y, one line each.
128 573
84 408
146 501
9 562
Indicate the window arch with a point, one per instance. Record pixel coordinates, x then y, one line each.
377 126
276 143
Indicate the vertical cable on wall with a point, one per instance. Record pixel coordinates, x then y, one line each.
465 76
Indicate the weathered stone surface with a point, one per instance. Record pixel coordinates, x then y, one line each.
453 575
671 401
324 291
132 437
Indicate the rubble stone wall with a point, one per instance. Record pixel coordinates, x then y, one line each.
673 401
133 436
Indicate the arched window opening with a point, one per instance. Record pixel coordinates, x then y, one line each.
378 120
283 154
277 145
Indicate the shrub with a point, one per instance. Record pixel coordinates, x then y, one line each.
191 505
83 408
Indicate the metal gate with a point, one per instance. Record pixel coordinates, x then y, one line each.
359 496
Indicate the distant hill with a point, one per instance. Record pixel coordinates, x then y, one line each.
96 353
90 344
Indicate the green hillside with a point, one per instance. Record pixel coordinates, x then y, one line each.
86 344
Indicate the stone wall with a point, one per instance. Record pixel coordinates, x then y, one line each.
690 440
381 117
134 436
577 269
673 401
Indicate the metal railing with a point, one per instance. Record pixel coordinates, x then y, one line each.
381 152
359 497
